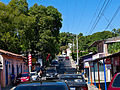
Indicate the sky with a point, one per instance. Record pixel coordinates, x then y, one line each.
79 15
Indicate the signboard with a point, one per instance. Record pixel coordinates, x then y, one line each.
108 66
48 57
108 61
1 62
91 64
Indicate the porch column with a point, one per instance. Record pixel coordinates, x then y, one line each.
98 75
104 74
0 79
91 73
88 76
94 73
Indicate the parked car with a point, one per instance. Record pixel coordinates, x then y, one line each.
67 58
51 74
115 84
23 77
34 76
64 55
55 63
75 81
44 85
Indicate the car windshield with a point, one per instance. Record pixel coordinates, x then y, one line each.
55 62
51 71
33 74
23 75
71 76
116 82
44 87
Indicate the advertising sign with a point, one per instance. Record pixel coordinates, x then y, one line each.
108 61
108 66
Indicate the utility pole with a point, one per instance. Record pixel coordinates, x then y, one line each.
77 48
73 45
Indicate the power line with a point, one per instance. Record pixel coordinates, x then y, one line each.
108 21
94 14
105 5
97 16
116 12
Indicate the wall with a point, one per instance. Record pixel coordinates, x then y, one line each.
9 61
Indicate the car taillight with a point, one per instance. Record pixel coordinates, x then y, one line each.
84 88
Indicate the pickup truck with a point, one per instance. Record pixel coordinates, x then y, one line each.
115 82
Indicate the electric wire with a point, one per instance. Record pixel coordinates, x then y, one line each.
111 26
94 15
116 12
104 7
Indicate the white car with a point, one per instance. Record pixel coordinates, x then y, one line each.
34 76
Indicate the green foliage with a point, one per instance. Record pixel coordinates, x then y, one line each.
35 29
114 48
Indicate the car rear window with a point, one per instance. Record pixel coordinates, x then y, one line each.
49 87
116 82
23 75
50 71
70 76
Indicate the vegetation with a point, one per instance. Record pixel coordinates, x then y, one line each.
35 29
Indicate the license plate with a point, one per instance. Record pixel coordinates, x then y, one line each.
72 88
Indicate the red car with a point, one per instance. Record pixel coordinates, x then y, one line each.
23 77
115 82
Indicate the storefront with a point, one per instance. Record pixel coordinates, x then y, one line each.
12 64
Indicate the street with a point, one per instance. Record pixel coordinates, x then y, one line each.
66 65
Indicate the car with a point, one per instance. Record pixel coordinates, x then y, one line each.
43 85
60 58
64 54
51 74
67 58
70 70
23 77
34 76
75 81
55 63
115 84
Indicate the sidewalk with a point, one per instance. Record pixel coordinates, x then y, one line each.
92 87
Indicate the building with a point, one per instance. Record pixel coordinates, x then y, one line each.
11 64
102 65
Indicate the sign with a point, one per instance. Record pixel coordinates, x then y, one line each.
1 62
29 60
108 61
48 57
108 66
91 64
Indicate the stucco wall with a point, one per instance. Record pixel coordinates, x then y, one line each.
9 61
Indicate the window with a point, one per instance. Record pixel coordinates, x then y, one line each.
116 82
44 87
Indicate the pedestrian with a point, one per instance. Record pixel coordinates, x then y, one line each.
40 73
